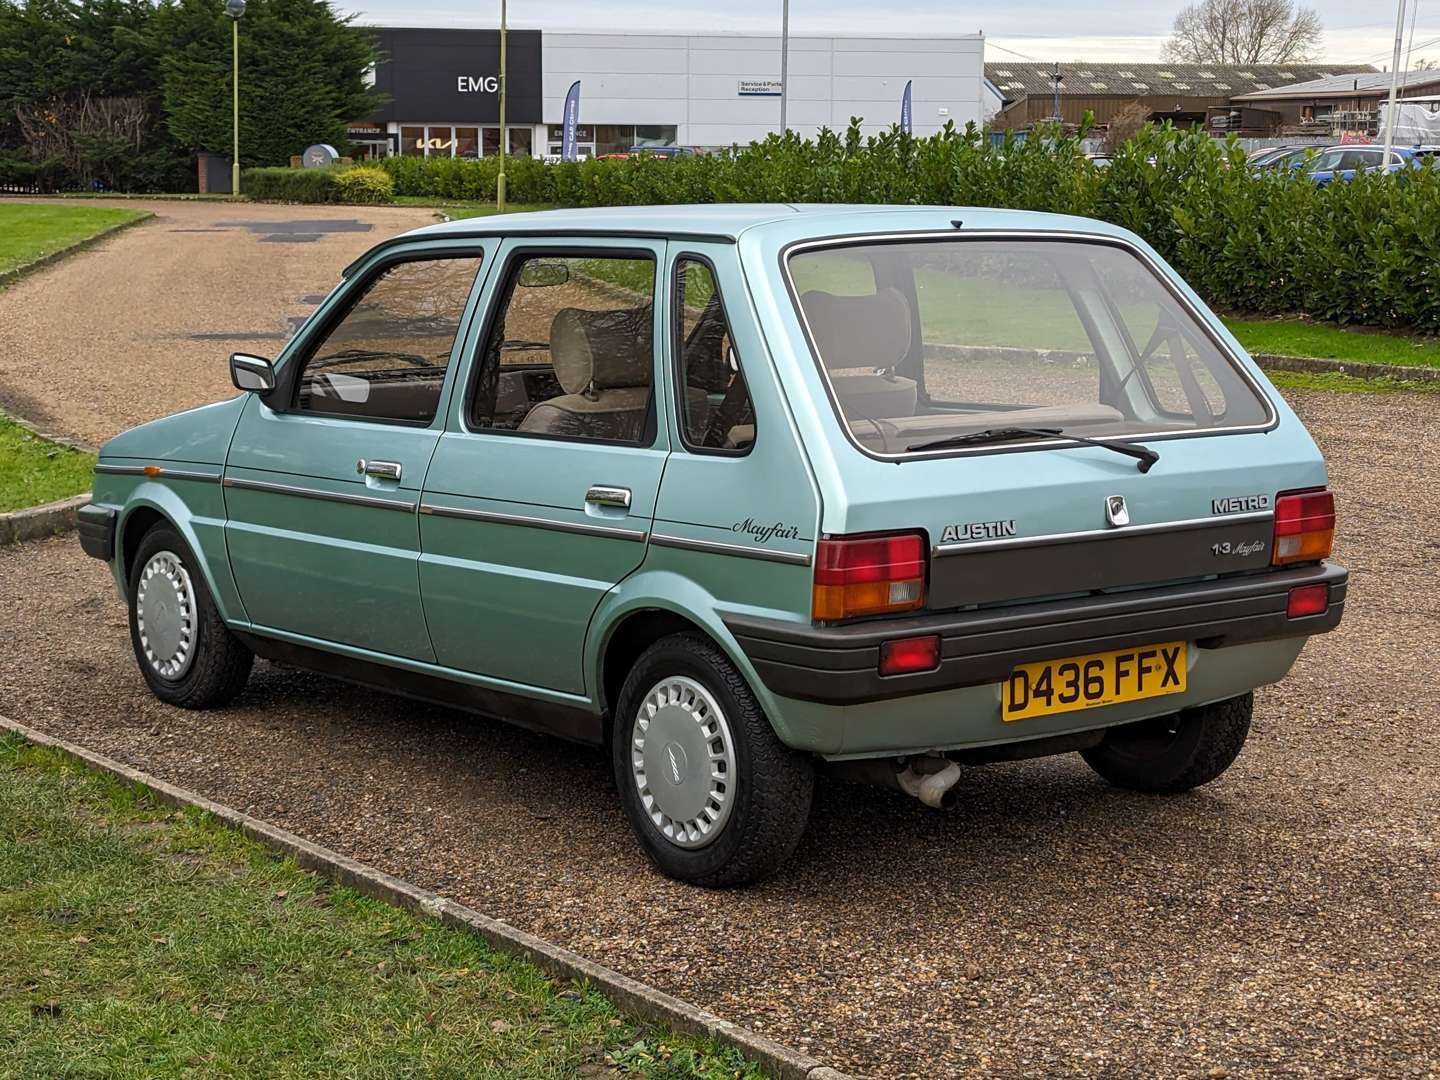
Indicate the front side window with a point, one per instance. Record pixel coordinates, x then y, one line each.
386 358
570 352
716 415
956 337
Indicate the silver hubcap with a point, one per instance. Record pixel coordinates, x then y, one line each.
682 759
165 615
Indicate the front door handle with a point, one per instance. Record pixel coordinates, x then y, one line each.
381 470
604 495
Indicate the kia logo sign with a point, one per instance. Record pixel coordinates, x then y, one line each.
472 84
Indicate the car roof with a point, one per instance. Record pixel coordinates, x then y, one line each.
726 223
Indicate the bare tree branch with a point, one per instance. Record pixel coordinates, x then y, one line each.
1244 32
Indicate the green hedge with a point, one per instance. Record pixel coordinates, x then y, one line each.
1363 251
292 185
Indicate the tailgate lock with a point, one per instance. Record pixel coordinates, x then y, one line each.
1117 514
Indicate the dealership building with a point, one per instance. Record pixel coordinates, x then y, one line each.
644 89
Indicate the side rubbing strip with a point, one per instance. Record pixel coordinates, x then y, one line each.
315 493
159 472
681 543
609 532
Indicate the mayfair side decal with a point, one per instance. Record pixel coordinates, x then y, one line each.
763 534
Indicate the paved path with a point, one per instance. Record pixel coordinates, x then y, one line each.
1284 921
142 325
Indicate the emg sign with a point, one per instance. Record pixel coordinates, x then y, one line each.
477 84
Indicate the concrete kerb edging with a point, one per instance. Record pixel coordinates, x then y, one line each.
1316 366
626 993
38 522
9 277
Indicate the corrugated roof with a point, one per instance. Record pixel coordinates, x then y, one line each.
1343 84
1018 79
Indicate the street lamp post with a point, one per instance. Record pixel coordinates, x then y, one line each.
784 62
1391 108
500 177
235 9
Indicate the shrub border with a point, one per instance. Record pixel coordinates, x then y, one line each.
560 963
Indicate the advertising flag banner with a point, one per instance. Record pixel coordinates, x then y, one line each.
568 148
905 108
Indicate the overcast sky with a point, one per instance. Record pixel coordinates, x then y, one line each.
1356 30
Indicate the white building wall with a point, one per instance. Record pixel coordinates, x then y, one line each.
691 81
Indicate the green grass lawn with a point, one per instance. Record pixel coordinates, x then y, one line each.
138 942
29 232
1297 337
33 471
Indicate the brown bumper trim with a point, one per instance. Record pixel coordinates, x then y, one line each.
839 665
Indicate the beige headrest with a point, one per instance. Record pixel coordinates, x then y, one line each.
602 350
859 331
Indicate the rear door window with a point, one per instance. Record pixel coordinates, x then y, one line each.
716 414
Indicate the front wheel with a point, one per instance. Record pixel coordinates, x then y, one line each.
188 656
713 796
1174 753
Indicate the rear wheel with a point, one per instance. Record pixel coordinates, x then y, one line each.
187 655
1174 753
713 796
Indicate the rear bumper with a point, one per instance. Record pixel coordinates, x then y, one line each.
96 525
840 665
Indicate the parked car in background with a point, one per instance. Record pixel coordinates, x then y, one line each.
1343 162
738 492
1282 157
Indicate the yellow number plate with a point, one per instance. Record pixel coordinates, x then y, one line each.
1083 682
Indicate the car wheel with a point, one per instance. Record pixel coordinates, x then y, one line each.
1174 753
714 797
187 655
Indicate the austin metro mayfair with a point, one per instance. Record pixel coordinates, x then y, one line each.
740 493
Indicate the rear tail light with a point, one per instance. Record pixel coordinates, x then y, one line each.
868 575
1304 527
1308 600
905 656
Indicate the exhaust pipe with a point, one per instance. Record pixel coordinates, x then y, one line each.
931 779
935 789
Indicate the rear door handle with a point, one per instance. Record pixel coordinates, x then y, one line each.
381 470
603 495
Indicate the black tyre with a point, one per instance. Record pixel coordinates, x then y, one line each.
715 798
1174 753
184 650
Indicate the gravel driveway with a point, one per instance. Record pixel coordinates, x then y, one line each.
142 324
1284 921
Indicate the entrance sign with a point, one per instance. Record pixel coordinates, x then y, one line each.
319 155
759 87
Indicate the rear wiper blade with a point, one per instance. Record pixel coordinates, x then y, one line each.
1143 454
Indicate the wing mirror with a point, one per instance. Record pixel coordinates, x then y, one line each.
543 275
253 373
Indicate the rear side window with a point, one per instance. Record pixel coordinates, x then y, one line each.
716 415
960 336
386 357
570 353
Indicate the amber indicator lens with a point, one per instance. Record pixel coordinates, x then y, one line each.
1304 527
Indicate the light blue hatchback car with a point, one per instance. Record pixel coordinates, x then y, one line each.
738 492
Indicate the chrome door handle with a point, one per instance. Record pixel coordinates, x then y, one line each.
601 495
381 470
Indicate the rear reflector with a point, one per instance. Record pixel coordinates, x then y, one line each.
1308 600
1304 527
868 575
908 655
